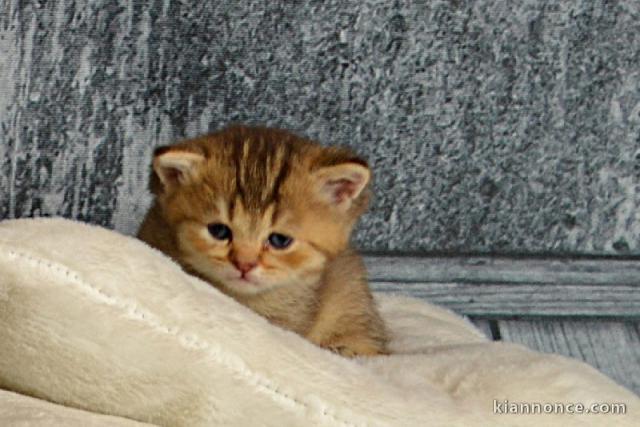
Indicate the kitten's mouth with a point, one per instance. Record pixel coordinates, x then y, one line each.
244 279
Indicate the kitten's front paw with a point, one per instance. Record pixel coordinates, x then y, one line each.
343 351
356 346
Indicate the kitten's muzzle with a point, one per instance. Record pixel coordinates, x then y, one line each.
244 266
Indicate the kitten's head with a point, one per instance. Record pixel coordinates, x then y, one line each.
255 208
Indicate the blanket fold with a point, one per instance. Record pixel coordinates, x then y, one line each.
97 321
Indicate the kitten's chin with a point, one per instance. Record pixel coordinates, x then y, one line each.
234 283
237 285
254 286
230 280
245 287
250 285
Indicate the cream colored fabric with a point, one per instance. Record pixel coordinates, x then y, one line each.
98 321
19 410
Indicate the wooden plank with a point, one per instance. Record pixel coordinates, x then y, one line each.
508 287
569 271
510 300
612 347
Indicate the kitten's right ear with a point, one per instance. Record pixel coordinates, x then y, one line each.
340 185
176 166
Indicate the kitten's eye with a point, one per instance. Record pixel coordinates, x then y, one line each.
279 241
219 231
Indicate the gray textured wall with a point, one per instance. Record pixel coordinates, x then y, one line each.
492 126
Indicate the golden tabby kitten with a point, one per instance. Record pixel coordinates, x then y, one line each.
266 216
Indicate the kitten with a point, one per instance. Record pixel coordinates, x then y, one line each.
266 216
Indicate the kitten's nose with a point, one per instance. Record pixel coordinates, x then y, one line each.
244 266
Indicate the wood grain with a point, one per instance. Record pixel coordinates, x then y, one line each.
503 287
479 269
613 347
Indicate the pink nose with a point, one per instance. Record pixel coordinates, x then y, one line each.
243 266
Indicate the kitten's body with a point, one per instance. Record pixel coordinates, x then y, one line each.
261 182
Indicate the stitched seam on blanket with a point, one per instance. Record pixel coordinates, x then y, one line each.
185 339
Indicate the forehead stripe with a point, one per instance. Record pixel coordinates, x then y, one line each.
283 158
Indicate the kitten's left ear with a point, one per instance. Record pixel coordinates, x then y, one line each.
176 166
341 184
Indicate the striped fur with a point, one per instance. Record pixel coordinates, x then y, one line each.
259 181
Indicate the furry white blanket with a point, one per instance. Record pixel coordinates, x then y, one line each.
94 320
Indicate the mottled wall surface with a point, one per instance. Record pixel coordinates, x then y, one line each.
492 126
